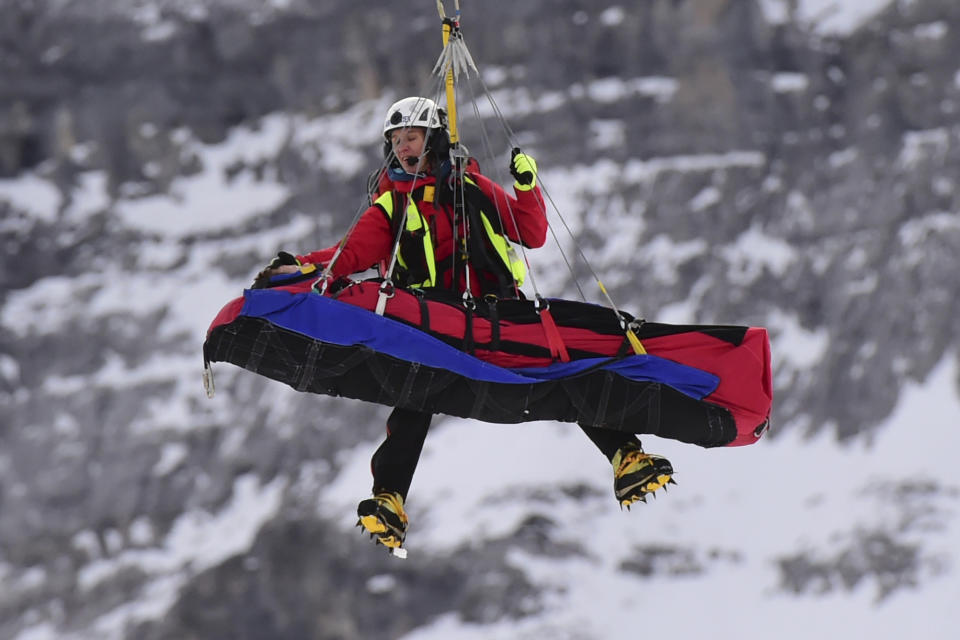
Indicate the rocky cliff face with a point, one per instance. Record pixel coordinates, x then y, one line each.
752 171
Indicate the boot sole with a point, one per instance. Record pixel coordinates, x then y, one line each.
647 482
648 485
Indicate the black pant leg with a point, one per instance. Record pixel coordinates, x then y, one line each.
608 440
395 461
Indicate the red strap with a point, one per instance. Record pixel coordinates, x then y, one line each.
554 341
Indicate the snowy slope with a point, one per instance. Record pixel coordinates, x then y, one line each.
718 542
124 488
722 534
828 16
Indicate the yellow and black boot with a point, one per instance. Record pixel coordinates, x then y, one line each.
637 474
383 517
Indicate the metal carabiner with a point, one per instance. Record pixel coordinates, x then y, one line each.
635 325
387 288
387 291
540 304
320 285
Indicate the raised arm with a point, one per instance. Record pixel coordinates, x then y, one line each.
524 216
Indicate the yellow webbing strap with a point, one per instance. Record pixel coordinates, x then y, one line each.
631 336
635 343
451 98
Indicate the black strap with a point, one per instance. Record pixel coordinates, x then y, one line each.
417 194
482 257
403 397
373 185
468 341
424 310
494 318
314 352
409 245
604 400
481 254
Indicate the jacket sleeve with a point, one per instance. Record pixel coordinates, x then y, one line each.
524 217
370 242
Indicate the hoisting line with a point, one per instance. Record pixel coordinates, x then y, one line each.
628 328
456 58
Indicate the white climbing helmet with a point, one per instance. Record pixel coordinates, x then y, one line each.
412 112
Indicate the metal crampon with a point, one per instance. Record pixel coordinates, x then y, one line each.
637 474
383 517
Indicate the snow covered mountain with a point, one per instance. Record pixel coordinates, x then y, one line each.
791 164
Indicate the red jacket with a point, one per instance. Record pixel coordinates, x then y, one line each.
523 218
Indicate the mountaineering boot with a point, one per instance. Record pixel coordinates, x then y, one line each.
384 518
636 474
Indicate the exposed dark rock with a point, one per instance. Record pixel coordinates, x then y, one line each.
304 580
886 557
873 556
849 161
666 560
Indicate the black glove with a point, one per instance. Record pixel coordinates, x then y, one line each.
262 279
283 258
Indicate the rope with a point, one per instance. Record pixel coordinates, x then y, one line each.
384 163
512 141
500 179
386 288
443 15
455 60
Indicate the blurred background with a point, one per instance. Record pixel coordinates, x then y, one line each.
782 163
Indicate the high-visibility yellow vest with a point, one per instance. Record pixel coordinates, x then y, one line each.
417 236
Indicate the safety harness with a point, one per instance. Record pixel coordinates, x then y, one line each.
489 251
413 263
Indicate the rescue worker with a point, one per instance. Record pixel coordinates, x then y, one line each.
433 253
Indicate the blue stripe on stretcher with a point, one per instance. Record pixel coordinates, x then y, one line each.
334 322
